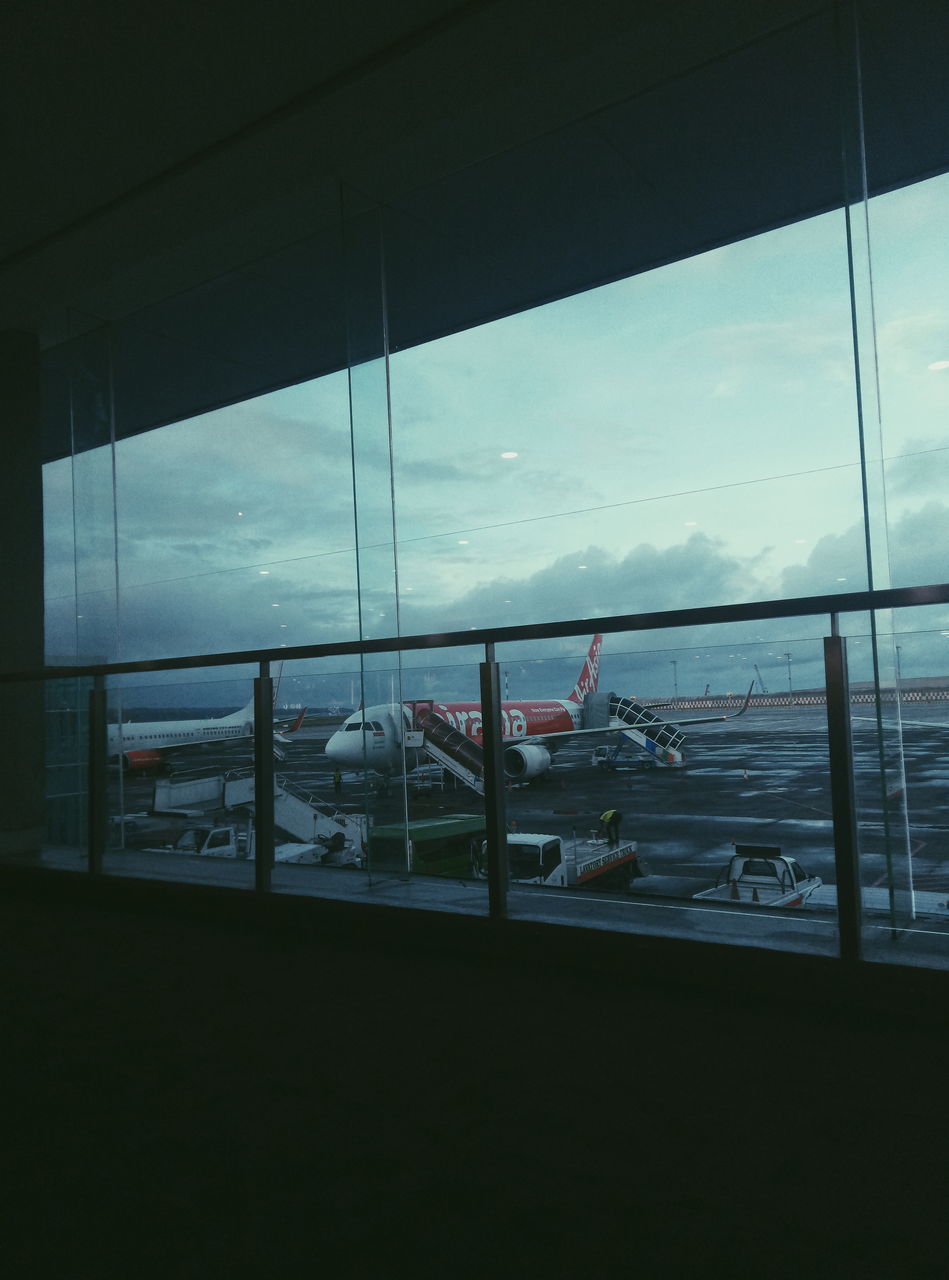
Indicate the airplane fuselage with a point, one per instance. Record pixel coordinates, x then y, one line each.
531 730
161 735
518 719
373 738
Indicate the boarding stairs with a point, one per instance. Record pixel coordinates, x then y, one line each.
657 738
447 746
663 741
297 811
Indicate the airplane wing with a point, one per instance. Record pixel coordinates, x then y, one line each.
732 715
540 738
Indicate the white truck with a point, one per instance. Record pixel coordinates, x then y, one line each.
535 858
759 874
228 841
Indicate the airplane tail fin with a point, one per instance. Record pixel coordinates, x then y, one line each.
590 674
299 720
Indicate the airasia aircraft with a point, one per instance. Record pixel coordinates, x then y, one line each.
531 729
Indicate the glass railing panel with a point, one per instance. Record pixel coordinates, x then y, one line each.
319 822
180 778
388 758
39 755
899 690
748 779
66 772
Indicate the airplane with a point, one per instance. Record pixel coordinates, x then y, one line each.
531 729
140 746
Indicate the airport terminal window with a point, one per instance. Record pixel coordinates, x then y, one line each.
746 765
719 392
650 444
682 437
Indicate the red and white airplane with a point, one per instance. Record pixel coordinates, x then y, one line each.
531 729
140 746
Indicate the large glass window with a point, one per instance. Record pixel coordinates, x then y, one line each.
383 784
680 438
900 716
181 798
635 431
695 802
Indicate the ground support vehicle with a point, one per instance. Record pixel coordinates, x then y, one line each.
439 846
534 858
758 874
228 841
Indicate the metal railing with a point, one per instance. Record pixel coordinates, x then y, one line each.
837 695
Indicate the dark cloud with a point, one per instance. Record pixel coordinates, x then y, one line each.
694 573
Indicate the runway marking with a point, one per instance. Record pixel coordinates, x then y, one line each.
679 906
909 930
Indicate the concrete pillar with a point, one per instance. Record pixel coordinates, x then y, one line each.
21 636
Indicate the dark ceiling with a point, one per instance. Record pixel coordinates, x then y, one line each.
179 171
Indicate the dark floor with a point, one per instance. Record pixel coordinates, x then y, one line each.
204 1096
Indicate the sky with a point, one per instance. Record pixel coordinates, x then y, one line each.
683 438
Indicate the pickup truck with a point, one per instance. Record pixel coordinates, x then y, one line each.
549 860
762 875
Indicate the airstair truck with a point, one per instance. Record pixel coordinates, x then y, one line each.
534 858
229 841
759 874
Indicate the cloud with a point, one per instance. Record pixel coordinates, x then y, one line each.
916 544
922 469
695 572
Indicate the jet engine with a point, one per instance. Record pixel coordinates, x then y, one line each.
524 762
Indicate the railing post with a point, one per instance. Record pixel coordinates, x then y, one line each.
494 814
263 779
97 815
842 797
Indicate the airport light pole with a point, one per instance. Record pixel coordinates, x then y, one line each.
790 692
675 678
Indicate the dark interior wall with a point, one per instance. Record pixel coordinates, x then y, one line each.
713 135
21 635
193 1092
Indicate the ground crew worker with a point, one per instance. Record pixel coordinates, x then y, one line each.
337 783
609 825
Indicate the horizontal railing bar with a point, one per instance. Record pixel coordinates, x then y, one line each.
804 606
